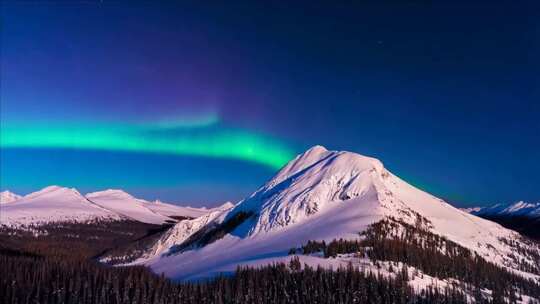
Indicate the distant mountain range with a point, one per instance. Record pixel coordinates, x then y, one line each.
58 204
8 197
520 216
521 208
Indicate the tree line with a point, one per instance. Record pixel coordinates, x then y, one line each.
28 278
397 241
56 266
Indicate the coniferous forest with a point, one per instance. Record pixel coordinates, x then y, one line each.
33 279
35 269
397 241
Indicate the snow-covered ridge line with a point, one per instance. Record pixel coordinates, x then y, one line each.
8 197
325 195
519 208
175 236
60 204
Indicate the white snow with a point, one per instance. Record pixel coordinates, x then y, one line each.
8 197
471 209
123 203
323 195
52 204
520 208
174 210
181 232
59 204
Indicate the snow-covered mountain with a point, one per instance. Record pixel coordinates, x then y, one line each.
521 209
8 197
53 204
174 210
322 195
59 204
126 205
520 216
177 234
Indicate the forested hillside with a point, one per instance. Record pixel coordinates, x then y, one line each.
54 264
37 269
76 240
33 279
396 241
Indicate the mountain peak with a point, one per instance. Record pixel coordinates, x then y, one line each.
520 208
324 195
302 161
317 149
55 190
225 206
53 204
51 188
316 181
312 154
117 193
8 197
318 154
522 205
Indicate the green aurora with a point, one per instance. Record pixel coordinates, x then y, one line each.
173 138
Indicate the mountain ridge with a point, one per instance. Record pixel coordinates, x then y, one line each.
61 204
324 195
519 208
8 197
520 216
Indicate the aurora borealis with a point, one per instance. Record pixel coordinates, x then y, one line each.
197 103
170 139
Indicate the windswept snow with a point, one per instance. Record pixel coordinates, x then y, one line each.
59 204
52 204
8 197
520 208
124 204
181 211
181 232
173 210
323 195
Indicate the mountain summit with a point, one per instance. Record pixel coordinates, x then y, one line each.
312 183
55 204
323 195
8 197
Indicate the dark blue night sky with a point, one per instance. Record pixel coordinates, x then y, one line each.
446 95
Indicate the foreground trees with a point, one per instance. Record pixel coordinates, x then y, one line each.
414 245
57 267
33 279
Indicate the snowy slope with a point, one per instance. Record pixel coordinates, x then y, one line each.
52 204
58 204
8 197
323 195
177 211
124 204
182 231
140 210
520 208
